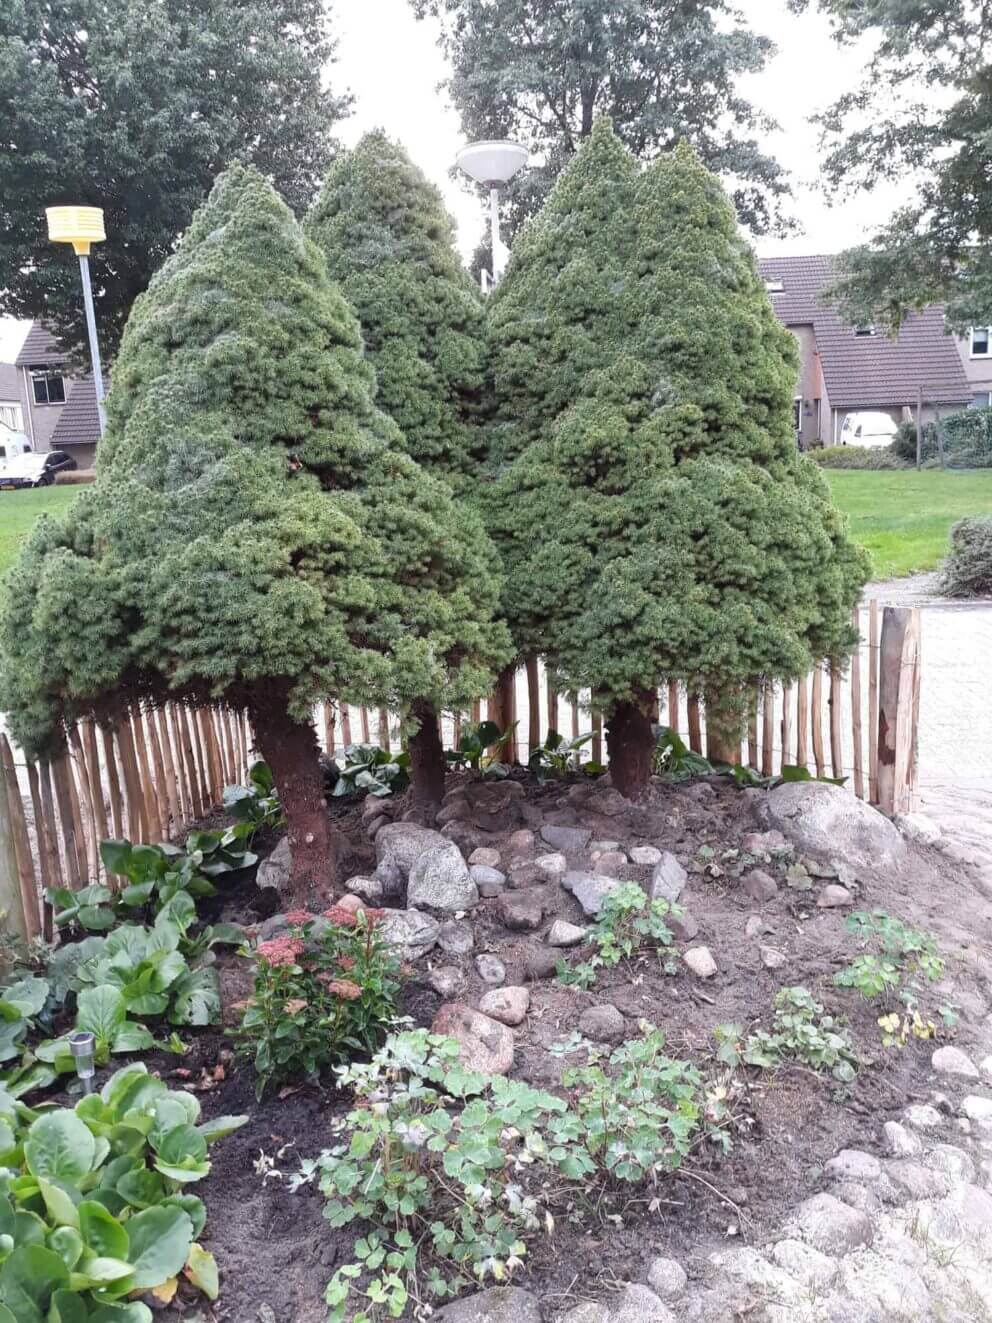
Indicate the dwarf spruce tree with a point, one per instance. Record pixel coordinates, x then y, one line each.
663 526
255 535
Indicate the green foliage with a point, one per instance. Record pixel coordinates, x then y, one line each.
856 457
541 74
23 1003
674 760
390 246
800 1032
901 957
656 520
453 1172
93 1201
558 756
968 568
132 110
627 922
320 998
373 769
478 746
257 803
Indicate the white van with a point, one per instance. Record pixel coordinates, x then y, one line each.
868 428
12 445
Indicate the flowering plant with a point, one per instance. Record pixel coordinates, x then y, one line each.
324 992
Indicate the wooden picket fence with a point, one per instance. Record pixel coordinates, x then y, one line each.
155 772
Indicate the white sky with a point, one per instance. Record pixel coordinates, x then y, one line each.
391 64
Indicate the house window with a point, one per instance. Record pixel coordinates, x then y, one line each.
49 387
775 286
10 415
981 341
864 330
980 400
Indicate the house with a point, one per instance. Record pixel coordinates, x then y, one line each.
55 407
846 370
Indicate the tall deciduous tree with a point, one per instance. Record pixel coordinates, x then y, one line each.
662 525
136 107
255 534
923 112
542 71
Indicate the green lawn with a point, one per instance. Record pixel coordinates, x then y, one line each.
903 518
19 510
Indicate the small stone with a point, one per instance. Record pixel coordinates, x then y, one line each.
833 897
508 1005
952 1061
500 1304
520 911
684 927
570 840
562 933
611 862
639 1304
440 880
915 1180
759 885
455 811
700 961
603 847
772 957
485 1045
485 857
851 1164
900 1142
375 806
274 871
952 1161
918 827
807 1265
350 903
490 881
590 1311
540 962
456 937
667 1278
551 865
490 969
648 855
589 889
520 842
668 879
409 932
763 844
831 1226
977 1109
369 888
757 927
402 843
525 873
603 1024
921 1116
446 980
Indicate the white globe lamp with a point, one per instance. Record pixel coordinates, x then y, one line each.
493 163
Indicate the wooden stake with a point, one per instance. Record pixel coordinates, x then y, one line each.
672 715
87 812
816 718
836 745
27 883
597 737
898 700
753 744
168 810
786 723
345 725
874 663
577 758
51 822
533 704
96 781
137 824
113 780
802 722
363 713
77 819
552 698
186 727
60 775
695 725
149 791
48 859
329 727
768 731
208 763
856 729
384 729
174 788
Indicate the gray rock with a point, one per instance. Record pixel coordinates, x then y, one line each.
439 879
827 820
603 847
759 885
508 1005
772 957
589 889
539 961
525 873
952 1161
500 1304
273 926
603 1024
834 896
520 911
274 871
490 881
918 827
456 810
611 862
490 969
857 1195
765 844
806 1264
392 878
485 1045
921 1116
978 1109
851 1164
375 806
590 1311
402 843
684 927
456 937
647 855
570 840
900 1142
915 1180
410 933
521 841
831 1226
667 1278
562 933
700 961
952 1061
668 879
551 865
893 1288
746 1265
447 980
485 857
370 889
639 1304
756 926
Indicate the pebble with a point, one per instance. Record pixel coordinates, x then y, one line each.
668 879
952 1061
756 926
567 839
667 1278
647 855
508 1005
831 1226
684 927
520 841
490 969
921 1116
759 885
977 1109
589 889
369 888
446 980
485 857
520 911
540 962
603 1024
851 1164
900 1142
485 1045
611 862
772 957
552 865
603 847
562 933
700 961
456 937
490 881
833 897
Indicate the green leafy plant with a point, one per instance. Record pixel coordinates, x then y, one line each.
674 760
375 770
94 1206
21 1004
903 960
478 746
801 1031
626 923
324 992
558 756
257 803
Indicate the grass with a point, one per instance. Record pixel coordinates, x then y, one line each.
904 518
19 510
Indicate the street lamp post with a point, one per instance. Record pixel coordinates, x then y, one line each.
493 163
82 226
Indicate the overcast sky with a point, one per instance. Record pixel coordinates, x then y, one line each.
391 64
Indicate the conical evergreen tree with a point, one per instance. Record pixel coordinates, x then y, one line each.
255 534
663 526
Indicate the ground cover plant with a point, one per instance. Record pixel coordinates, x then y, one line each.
627 923
968 568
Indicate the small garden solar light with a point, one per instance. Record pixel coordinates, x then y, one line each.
81 1045
493 163
82 226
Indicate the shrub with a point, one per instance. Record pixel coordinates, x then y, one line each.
801 1031
319 999
626 923
856 457
968 568
373 769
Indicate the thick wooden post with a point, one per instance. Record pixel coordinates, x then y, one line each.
113 780
11 894
25 916
898 706
503 711
874 662
856 724
695 725
836 748
816 716
672 715
533 705
552 706
802 723
768 730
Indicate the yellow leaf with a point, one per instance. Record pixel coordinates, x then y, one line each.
166 1291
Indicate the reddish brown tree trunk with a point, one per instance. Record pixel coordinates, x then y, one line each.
724 726
503 711
427 764
290 748
630 743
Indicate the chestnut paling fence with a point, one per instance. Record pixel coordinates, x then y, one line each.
155 771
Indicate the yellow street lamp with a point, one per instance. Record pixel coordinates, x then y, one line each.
83 226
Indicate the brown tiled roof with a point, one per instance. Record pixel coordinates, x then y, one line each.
862 372
79 422
39 348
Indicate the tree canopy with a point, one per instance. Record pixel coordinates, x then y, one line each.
390 245
542 73
661 525
923 112
135 108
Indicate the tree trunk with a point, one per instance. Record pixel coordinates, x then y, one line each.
503 710
290 748
427 764
724 726
630 743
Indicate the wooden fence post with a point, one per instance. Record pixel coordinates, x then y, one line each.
113 780
533 705
768 730
48 859
18 894
802 722
11 892
898 705
695 725
552 706
856 730
816 718
836 748
874 664
672 714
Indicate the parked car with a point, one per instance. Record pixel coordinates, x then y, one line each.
868 428
35 470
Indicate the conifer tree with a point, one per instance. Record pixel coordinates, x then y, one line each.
255 535
663 526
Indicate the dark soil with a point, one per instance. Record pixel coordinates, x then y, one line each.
275 1250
